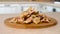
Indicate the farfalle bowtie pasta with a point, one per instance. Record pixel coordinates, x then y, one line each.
30 16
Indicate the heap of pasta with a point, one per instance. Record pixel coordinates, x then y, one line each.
30 16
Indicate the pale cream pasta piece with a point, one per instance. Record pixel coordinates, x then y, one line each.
13 20
28 20
36 20
45 20
23 14
20 20
31 11
33 16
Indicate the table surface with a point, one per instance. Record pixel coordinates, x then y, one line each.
51 30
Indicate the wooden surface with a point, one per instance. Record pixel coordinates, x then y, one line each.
50 30
52 22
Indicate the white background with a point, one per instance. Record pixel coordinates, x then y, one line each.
17 8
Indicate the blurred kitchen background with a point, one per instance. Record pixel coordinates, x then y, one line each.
17 6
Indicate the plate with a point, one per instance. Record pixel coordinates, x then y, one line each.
30 26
